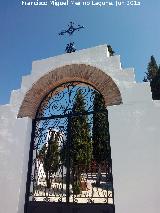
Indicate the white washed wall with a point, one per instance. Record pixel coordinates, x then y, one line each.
135 143
14 148
134 130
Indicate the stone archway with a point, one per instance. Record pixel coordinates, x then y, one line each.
74 72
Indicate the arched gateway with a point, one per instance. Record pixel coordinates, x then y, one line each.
70 166
132 127
74 72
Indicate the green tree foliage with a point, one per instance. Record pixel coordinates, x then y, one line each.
155 86
111 51
152 69
153 76
101 147
80 147
49 156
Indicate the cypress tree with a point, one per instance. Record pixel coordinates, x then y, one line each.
153 76
49 155
80 144
101 146
152 70
155 86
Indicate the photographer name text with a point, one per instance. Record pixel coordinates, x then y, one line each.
56 3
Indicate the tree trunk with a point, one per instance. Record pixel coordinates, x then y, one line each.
77 181
48 180
98 175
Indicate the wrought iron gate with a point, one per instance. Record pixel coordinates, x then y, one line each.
70 163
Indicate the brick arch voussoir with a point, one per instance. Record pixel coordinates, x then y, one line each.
74 72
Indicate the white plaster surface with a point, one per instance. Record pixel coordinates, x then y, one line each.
14 138
97 57
134 131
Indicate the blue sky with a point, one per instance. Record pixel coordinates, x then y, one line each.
31 33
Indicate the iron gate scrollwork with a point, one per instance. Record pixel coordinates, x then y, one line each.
70 156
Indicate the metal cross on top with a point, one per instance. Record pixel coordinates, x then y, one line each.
71 29
70 46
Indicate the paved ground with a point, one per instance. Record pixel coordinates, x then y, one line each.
90 194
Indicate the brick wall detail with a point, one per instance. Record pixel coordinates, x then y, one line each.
74 72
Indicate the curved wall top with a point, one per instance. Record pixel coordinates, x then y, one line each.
74 72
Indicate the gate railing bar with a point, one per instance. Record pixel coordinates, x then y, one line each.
68 161
72 114
28 182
